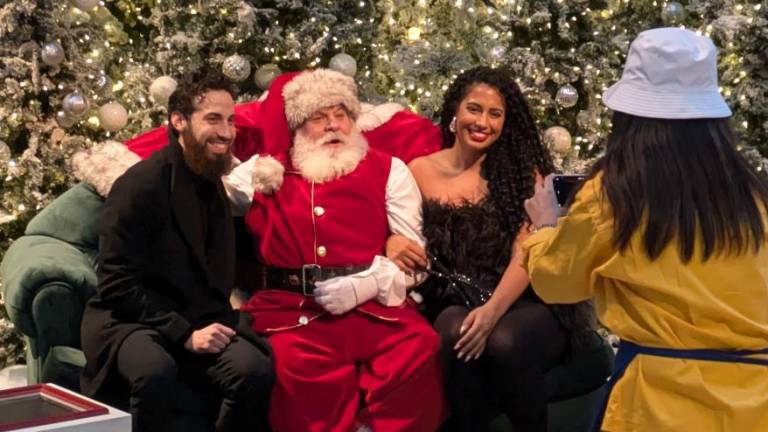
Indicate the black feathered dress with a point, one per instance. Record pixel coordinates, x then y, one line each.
508 378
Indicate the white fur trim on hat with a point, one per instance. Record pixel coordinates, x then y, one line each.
267 174
316 89
102 164
373 116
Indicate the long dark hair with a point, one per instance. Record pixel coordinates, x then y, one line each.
686 181
511 161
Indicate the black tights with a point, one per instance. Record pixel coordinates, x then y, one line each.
509 375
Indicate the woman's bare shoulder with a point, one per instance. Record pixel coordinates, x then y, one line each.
429 164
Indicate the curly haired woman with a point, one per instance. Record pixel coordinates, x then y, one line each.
495 354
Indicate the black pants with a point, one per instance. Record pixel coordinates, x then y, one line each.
241 374
509 376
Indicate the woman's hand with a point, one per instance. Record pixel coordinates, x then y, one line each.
542 207
406 253
475 329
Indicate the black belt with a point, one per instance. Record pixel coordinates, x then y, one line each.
302 281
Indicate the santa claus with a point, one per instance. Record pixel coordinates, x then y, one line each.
350 349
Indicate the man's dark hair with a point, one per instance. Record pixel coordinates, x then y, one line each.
189 90
684 182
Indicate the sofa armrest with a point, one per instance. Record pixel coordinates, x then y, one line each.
40 264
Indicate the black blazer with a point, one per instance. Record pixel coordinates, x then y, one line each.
154 270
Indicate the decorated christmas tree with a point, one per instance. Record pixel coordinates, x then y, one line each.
77 73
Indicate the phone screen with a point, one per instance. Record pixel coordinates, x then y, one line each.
564 185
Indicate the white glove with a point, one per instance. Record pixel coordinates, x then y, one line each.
341 294
383 281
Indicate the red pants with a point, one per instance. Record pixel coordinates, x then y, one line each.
340 372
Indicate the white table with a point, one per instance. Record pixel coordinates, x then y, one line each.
112 421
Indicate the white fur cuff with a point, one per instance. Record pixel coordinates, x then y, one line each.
267 174
102 164
373 116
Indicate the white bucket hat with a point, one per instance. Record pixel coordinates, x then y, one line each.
670 73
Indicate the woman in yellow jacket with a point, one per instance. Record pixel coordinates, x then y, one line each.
668 234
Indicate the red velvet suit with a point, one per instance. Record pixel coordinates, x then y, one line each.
325 363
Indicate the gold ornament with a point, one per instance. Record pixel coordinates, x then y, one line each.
557 139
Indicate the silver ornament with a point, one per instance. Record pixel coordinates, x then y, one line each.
497 53
585 119
86 5
557 139
65 120
104 84
567 96
5 153
75 104
672 13
265 74
162 88
343 63
236 68
52 53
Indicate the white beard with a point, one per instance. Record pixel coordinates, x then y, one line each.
320 164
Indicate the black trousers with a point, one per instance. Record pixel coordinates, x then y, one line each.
241 375
508 377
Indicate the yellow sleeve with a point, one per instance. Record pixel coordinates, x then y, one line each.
560 261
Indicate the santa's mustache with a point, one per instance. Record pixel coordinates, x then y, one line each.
332 137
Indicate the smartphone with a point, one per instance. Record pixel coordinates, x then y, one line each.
565 185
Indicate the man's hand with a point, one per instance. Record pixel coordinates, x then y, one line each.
406 253
212 339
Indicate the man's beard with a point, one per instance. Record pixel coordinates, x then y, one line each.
320 163
198 160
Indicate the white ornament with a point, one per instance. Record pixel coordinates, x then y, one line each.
567 96
236 68
86 5
344 63
65 120
75 104
557 139
113 117
672 13
162 88
265 74
52 53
